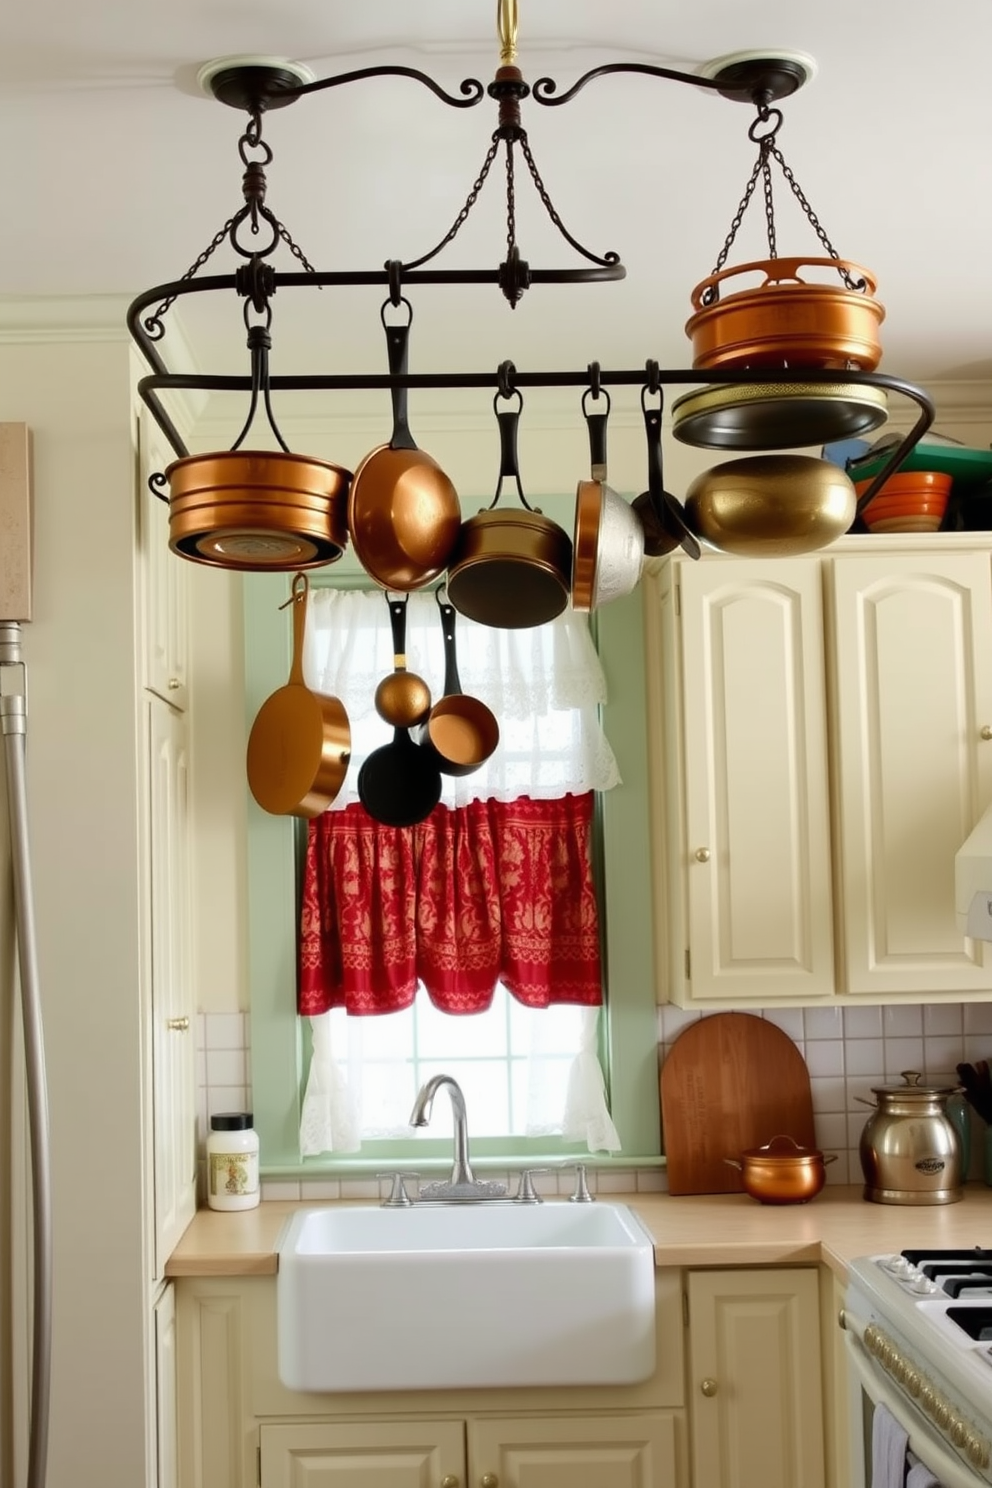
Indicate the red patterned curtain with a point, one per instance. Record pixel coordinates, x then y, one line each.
476 894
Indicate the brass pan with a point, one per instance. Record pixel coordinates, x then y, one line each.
300 743
257 510
776 415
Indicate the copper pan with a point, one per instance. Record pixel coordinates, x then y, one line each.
403 511
782 1172
461 730
300 743
256 510
608 536
785 321
510 568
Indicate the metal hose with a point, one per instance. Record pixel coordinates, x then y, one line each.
13 722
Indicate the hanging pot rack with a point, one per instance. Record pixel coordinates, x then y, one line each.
258 86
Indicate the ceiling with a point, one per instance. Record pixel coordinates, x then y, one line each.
118 170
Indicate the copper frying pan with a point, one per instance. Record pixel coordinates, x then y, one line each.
300 742
403 511
461 731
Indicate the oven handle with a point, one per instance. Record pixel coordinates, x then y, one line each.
942 1461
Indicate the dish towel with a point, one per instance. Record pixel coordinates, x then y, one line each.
889 1444
919 1475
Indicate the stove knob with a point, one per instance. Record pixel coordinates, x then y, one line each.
923 1286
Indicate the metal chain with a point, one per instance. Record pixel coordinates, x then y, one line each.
511 202
609 258
153 325
470 202
814 221
739 215
766 175
295 248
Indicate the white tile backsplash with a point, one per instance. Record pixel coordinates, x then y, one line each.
847 1050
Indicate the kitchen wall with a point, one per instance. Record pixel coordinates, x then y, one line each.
847 1051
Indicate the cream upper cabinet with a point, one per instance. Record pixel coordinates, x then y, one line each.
911 694
755 1403
740 798
818 758
165 582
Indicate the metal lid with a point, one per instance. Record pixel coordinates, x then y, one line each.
912 1085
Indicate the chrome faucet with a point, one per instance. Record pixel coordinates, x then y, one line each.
462 1184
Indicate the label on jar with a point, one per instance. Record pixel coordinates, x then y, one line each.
233 1175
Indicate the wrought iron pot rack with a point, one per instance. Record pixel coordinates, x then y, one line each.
258 86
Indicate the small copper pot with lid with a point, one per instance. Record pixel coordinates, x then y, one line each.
782 1172
910 1148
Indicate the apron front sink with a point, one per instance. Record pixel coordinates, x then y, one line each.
472 1296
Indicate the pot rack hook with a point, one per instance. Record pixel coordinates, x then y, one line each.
394 273
402 300
653 374
595 390
504 382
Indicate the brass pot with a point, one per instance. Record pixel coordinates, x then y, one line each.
787 322
782 1172
257 510
771 505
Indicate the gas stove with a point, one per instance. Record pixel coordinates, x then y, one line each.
924 1320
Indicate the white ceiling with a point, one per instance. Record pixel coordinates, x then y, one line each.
117 171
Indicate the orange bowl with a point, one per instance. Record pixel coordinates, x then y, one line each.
909 501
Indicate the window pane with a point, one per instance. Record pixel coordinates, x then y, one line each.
446 1035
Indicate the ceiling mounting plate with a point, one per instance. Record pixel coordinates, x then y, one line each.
749 77
255 84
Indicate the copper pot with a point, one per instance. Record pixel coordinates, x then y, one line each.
510 569
461 731
787 322
403 511
782 1172
257 510
608 536
401 698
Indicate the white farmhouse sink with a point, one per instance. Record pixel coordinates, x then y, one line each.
478 1295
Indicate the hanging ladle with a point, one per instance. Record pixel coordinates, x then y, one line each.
401 698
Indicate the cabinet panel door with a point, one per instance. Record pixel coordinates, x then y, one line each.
173 1075
755 1392
913 690
756 852
635 1451
165 577
166 1421
366 1454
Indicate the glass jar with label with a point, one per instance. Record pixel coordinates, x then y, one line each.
232 1161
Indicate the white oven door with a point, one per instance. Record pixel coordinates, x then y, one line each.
870 1386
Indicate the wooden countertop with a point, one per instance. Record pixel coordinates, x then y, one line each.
704 1230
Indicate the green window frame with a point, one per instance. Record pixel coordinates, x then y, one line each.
279 1040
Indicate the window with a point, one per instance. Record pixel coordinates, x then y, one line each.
280 1053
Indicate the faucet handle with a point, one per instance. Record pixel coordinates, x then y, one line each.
398 1196
527 1193
581 1194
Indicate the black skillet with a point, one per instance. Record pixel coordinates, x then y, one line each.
399 784
662 516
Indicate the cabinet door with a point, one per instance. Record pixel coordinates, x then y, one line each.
171 997
756 846
755 1379
166 1426
910 638
365 1454
607 1451
165 582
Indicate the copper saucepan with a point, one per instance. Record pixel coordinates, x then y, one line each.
782 1172
401 698
300 743
461 730
403 511
510 569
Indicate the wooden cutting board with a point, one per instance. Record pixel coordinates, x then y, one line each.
731 1081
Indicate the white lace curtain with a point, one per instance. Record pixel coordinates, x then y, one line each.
545 684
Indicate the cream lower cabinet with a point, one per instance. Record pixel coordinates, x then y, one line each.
821 735
239 1427
755 1379
584 1451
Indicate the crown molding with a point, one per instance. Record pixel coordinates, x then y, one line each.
40 320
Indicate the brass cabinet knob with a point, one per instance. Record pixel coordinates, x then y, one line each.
490 1480
708 1387
987 731
702 854
174 683
177 1025
449 1481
